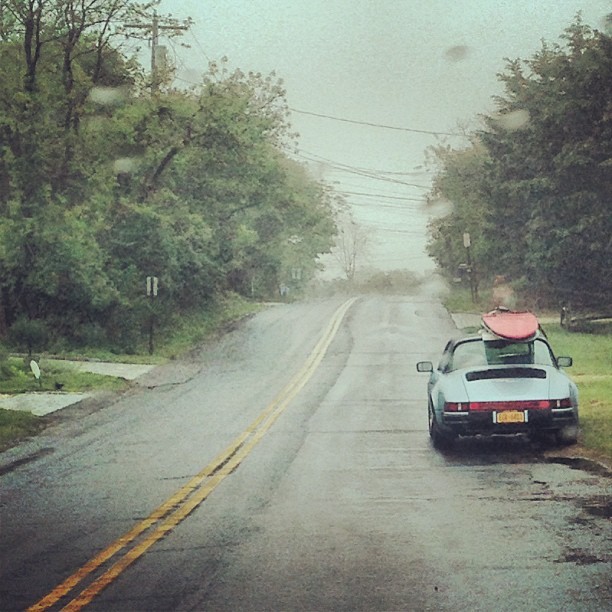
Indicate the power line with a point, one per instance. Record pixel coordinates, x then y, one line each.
376 125
199 45
340 165
391 230
380 195
377 177
373 174
416 173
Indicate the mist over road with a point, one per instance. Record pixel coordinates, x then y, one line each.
288 466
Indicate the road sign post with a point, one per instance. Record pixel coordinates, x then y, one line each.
152 288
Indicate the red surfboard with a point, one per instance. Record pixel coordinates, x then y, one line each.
511 325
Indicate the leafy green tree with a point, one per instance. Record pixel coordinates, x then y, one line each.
50 264
104 185
543 190
224 164
553 175
460 186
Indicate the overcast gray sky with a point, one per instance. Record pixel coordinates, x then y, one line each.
420 65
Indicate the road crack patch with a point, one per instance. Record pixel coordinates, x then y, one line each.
580 557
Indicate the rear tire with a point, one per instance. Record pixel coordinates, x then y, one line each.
567 435
439 439
430 419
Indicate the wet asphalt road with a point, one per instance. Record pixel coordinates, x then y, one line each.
336 502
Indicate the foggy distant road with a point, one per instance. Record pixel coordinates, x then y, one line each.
288 466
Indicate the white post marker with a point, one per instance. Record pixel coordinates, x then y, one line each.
152 289
36 371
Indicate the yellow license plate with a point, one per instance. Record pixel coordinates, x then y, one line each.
511 416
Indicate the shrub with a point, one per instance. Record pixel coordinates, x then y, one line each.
29 334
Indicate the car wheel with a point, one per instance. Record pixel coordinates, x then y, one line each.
567 435
430 419
439 439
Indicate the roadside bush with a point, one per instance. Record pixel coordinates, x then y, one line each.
29 334
127 329
90 335
392 282
5 367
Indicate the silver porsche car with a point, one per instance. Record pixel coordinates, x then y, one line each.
488 386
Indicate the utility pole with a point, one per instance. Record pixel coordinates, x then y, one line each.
154 28
154 45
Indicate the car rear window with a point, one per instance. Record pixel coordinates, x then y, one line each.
500 352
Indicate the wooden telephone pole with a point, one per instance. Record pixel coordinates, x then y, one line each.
154 28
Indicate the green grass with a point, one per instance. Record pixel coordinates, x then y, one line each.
460 300
16 377
98 354
15 425
592 372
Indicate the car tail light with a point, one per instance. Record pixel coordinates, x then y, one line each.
456 406
512 405
566 402
515 405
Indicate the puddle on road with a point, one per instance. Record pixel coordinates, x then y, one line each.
579 557
601 507
478 451
580 463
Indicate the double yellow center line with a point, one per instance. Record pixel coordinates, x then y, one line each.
166 517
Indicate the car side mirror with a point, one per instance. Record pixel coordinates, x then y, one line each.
424 366
564 362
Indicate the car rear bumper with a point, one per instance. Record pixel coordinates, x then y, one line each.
485 423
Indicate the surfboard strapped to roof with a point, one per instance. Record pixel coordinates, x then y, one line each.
511 325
